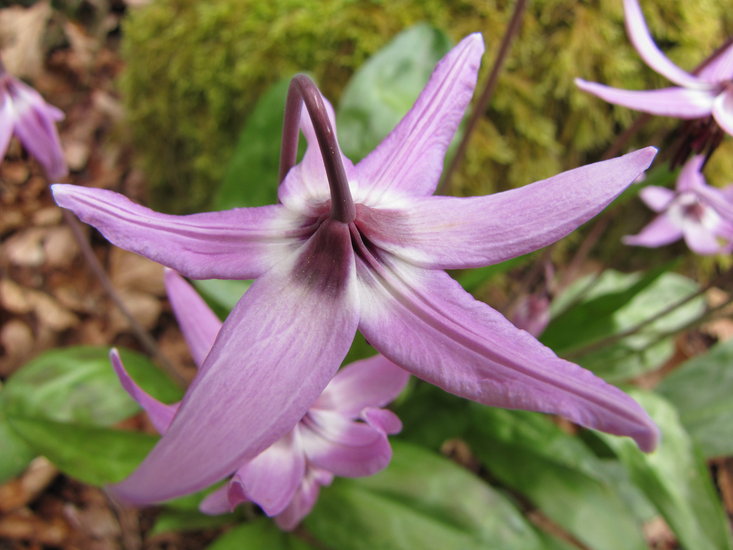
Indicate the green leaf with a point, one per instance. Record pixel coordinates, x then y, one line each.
15 454
701 391
91 454
676 479
556 472
79 385
612 304
251 178
472 279
221 294
420 501
386 86
260 534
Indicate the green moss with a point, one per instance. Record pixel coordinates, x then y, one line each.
194 69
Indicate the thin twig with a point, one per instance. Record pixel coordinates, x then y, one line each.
147 341
488 91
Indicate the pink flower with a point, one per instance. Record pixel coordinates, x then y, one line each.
344 432
695 211
710 92
23 112
363 247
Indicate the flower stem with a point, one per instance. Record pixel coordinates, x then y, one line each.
303 90
143 336
488 91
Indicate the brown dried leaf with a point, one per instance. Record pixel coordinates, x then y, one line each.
21 38
24 489
25 248
129 271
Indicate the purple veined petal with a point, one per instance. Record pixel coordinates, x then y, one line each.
650 53
372 382
463 232
410 159
234 244
423 320
657 198
343 446
304 499
217 502
7 120
307 184
700 239
719 69
723 110
160 414
690 177
271 479
660 232
382 419
682 103
275 353
198 323
36 129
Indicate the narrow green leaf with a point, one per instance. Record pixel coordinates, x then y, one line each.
252 175
557 473
386 86
617 302
261 534
172 520
676 479
79 385
91 454
420 501
701 390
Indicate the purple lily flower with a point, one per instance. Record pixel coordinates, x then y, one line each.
708 92
363 247
23 112
695 211
344 432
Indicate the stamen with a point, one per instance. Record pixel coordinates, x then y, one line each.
303 90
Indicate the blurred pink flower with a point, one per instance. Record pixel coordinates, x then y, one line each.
695 211
344 433
709 92
23 112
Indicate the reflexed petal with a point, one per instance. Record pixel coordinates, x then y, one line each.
216 503
720 68
424 321
198 323
304 499
343 446
723 110
372 382
720 200
455 233
271 479
675 102
410 159
306 184
660 232
690 177
7 122
35 128
657 198
277 351
648 50
700 239
235 244
160 414
382 419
